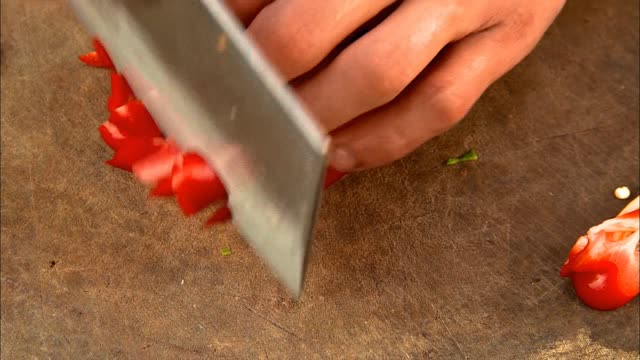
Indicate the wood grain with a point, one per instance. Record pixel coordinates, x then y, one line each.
415 260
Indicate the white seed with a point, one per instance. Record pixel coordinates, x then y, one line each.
622 193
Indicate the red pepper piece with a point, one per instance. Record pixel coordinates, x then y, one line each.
133 150
195 185
162 188
133 120
158 165
91 59
102 53
120 92
604 264
221 215
111 135
140 147
97 58
332 177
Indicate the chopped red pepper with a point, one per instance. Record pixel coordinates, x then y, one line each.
158 165
133 120
111 135
120 92
97 58
132 151
195 185
332 176
221 215
102 53
163 188
604 264
141 148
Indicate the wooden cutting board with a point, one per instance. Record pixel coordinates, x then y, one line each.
415 260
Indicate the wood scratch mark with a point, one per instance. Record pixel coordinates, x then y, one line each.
538 144
72 269
580 132
508 240
32 203
171 345
238 296
544 294
444 324
10 281
549 282
550 234
273 322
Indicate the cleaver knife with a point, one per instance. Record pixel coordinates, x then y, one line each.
210 89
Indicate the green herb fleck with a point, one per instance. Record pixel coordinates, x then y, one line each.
468 156
225 251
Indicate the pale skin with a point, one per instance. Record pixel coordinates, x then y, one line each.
417 70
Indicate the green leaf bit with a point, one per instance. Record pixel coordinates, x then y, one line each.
470 155
225 251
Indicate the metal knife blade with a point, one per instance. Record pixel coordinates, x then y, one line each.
210 89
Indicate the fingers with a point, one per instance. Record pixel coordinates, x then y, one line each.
377 67
246 10
440 98
295 35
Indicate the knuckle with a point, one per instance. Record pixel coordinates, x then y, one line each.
448 99
527 24
451 108
455 12
519 25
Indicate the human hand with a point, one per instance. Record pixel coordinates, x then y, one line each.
416 72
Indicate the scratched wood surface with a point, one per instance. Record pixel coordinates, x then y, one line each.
415 260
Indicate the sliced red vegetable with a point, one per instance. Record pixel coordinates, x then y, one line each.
102 53
133 150
195 185
111 135
163 188
603 265
97 58
141 148
120 92
221 215
133 120
332 176
91 59
158 165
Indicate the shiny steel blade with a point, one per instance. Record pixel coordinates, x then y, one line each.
210 89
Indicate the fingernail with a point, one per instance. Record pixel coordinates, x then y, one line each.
342 159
